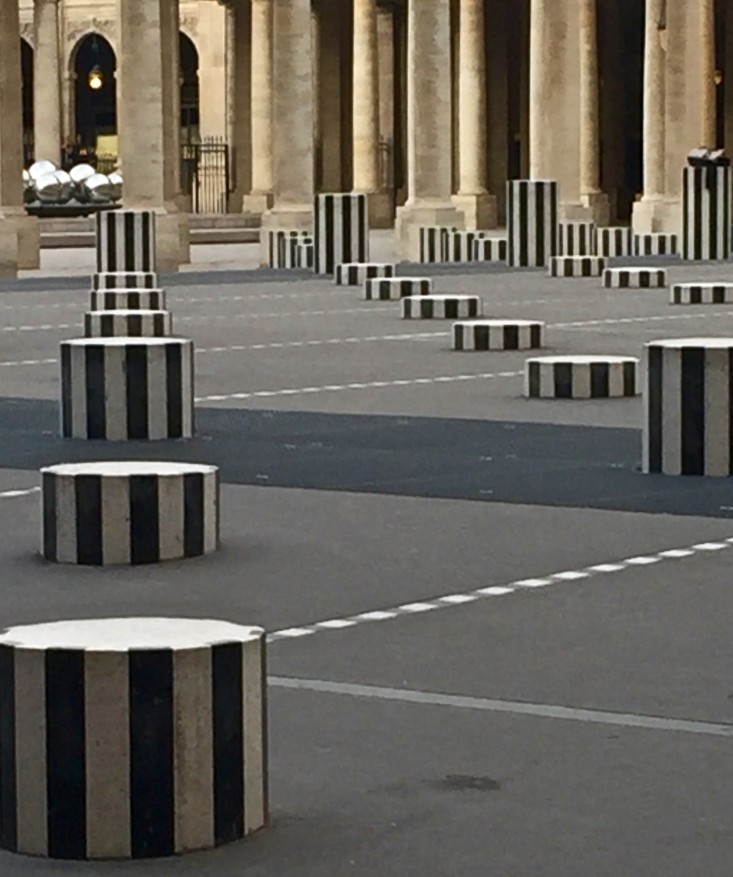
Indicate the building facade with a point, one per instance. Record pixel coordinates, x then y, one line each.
430 106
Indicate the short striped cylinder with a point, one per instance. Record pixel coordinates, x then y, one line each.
127 388
655 244
576 266
531 222
395 288
342 230
126 240
304 255
460 245
356 274
440 307
125 280
100 514
580 377
282 246
131 738
576 239
434 244
128 300
133 324
489 250
701 293
634 278
688 407
706 213
614 241
498 335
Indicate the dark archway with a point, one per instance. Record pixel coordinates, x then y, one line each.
26 63
94 64
189 90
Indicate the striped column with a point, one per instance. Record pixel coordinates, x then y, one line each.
126 240
580 377
688 407
124 280
434 244
356 274
123 388
342 230
614 241
498 335
490 250
655 244
576 266
127 300
531 222
131 738
395 288
701 293
577 239
283 245
706 213
100 514
634 278
441 307
132 324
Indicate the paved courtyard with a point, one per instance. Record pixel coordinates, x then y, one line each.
496 647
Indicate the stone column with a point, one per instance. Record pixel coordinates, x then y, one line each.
149 120
366 114
19 240
239 64
473 196
260 198
591 195
47 81
708 122
429 154
292 118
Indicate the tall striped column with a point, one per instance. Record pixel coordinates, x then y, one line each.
126 240
531 222
688 407
342 230
131 738
706 213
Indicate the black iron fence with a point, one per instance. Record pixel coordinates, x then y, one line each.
206 174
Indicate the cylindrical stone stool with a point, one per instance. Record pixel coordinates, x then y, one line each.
342 230
356 274
531 222
706 213
655 244
131 738
100 514
126 240
304 257
434 244
281 246
634 278
701 293
440 307
577 239
576 266
128 300
489 249
498 335
460 244
580 377
688 388
395 288
613 241
125 280
133 324
127 388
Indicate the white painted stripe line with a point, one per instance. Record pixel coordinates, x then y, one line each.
517 708
25 491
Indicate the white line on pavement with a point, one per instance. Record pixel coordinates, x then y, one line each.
25 491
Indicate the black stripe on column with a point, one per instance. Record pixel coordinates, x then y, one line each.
730 411
535 336
49 516
65 390
8 799
144 519
692 410
347 243
128 231
65 754
540 255
534 379
136 368
599 380
111 221
629 379
329 208
511 338
88 492
523 223
458 337
134 325
174 389
152 817
148 244
563 375
94 374
472 308
228 734
481 337
654 406
193 505
451 308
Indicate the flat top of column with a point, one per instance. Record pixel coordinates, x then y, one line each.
584 359
677 343
125 469
124 341
123 634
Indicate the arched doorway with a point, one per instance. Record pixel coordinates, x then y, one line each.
26 64
189 90
95 118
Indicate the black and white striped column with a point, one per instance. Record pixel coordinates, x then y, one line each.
577 239
580 377
634 278
498 335
283 246
342 230
126 240
123 388
131 738
706 213
434 244
440 307
305 256
128 300
125 280
656 244
531 222
489 249
356 274
133 324
460 245
576 266
701 293
107 513
614 241
395 288
688 407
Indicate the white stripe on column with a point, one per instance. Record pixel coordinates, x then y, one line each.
115 520
65 519
254 744
671 411
157 391
171 517
187 387
30 751
717 412
581 380
615 379
77 361
115 391
210 498
547 379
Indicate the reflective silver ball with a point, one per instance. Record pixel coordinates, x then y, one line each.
41 169
99 188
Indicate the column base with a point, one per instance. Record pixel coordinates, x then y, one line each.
381 209
480 209
257 203
599 205
172 241
287 217
412 217
20 242
574 211
652 215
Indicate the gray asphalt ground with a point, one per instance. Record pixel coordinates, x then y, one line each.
508 675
